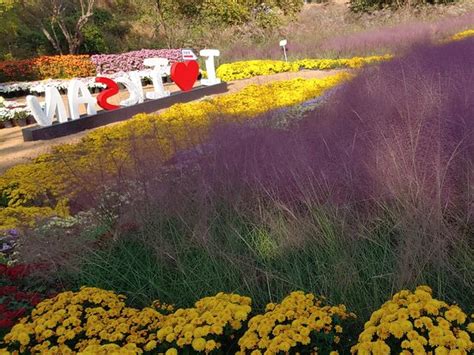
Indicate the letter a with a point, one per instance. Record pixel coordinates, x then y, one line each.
54 107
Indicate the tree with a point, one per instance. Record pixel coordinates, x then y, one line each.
60 21
8 26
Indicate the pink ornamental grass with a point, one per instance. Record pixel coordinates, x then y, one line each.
403 131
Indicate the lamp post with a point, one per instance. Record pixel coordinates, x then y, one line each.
283 44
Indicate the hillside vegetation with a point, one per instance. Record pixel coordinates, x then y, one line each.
46 27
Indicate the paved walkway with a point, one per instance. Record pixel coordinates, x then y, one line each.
14 151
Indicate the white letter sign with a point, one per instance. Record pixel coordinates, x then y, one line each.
210 67
54 107
78 94
132 89
158 65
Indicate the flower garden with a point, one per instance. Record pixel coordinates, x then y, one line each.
94 321
303 216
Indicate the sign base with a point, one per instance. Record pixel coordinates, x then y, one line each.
103 118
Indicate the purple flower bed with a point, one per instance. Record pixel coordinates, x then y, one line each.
130 61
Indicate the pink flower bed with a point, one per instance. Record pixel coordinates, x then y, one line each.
130 61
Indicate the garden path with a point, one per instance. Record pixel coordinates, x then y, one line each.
14 151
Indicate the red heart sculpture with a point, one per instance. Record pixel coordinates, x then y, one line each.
185 74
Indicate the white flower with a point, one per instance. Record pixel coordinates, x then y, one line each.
7 113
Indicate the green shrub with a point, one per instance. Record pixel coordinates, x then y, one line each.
230 12
225 12
290 7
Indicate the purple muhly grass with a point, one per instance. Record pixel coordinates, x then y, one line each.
401 131
396 39
305 41
400 135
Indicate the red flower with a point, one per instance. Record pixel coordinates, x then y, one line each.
17 271
3 269
15 314
35 299
6 323
6 290
20 295
3 308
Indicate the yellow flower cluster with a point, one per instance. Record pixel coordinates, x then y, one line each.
95 321
162 307
418 324
111 349
204 327
90 319
49 180
295 322
251 68
114 349
27 215
355 62
464 34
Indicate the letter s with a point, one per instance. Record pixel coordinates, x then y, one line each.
111 90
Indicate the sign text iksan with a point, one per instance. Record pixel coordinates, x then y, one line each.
78 93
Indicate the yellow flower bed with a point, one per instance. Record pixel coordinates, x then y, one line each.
461 35
295 323
418 324
251 68
353 63
95 321
49 180
89 318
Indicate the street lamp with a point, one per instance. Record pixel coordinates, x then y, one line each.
283 44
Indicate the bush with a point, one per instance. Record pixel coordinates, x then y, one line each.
290 7
75 321
213 323
415 322
299 324
224 12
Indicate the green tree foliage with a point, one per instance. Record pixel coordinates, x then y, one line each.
101 33
225 12
8 25
35 27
